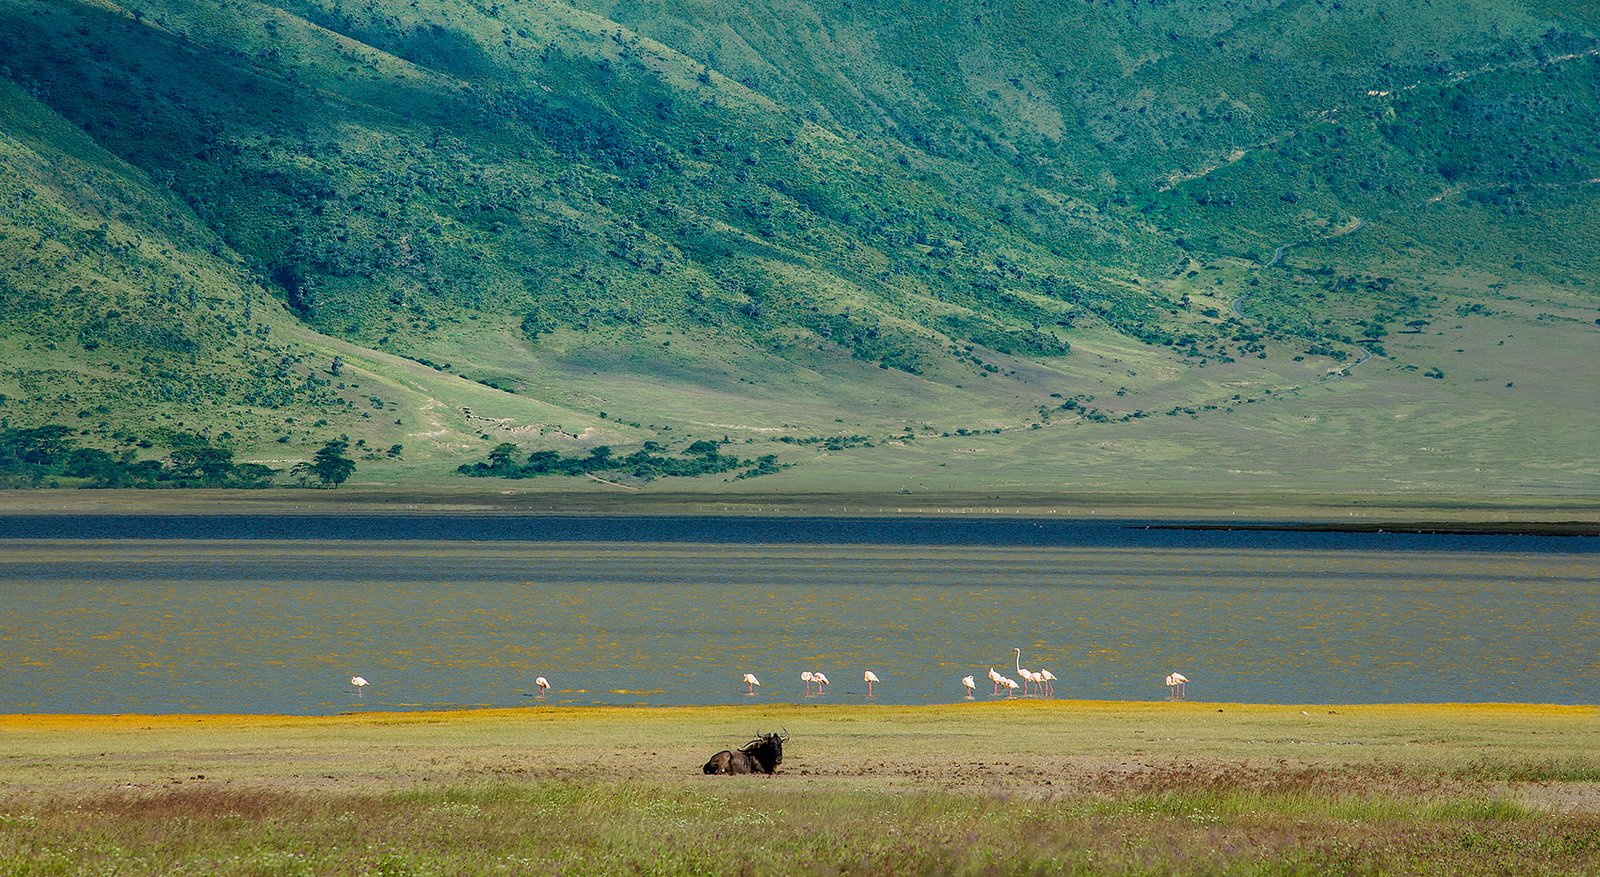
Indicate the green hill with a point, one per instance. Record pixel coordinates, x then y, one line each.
913 246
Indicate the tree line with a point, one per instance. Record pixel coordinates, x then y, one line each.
701 458
50 456
44 455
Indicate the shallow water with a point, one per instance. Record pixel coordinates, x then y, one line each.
635 611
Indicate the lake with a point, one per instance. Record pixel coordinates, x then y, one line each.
274 614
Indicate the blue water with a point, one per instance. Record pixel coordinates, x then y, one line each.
270 614
998 531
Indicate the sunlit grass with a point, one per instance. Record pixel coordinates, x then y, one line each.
605 826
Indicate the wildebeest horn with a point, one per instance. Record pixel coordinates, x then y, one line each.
784 734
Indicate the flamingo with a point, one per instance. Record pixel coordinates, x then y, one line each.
995 678
808 677
1049 682
1180 680
869 677
359 683
1011 686
1027 675
751 680
970 685
544 685
821 679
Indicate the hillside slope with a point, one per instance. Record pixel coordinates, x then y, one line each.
1112 238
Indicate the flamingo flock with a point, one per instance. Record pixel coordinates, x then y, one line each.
1040 683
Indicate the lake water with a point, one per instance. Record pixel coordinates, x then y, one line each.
265 614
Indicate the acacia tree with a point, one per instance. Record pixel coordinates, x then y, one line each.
500 459
329 466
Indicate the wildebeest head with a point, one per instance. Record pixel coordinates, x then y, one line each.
767 748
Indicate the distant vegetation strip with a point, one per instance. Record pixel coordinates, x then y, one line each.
43 456
645 464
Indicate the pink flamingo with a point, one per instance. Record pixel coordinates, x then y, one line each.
751 680
869 677
1049 682
970 684
808 677
821 679
544 685
995 678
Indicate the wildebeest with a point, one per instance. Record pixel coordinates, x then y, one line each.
761 755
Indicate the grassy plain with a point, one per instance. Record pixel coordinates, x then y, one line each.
1021 787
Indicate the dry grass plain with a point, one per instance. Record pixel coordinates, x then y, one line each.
980 788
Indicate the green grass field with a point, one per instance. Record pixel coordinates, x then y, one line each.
991 788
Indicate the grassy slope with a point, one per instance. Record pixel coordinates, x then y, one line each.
144 309
732 216
976 788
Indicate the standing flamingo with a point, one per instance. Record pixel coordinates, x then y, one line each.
808 677
1181 682
751 680
970 684
359 682
869 677
1011 686
995 678
1027 675
1049 682
821 679
544 685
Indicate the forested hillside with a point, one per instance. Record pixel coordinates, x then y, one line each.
1014 231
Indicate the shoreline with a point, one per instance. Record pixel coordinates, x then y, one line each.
1577 519
982 709
1361 512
